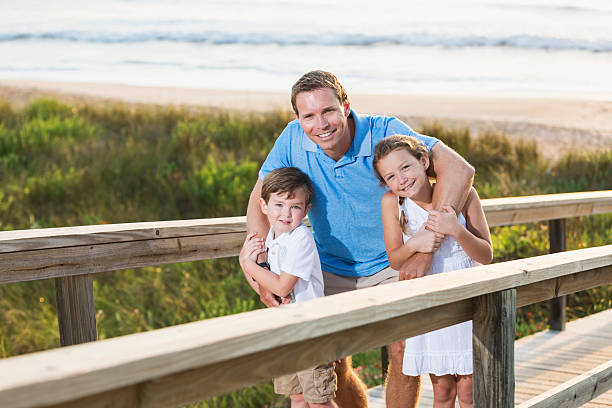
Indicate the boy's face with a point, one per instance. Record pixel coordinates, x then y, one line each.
285 214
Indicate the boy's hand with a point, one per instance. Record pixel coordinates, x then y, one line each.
443 222
253 246
426 241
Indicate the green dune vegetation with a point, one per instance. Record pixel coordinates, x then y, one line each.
66 164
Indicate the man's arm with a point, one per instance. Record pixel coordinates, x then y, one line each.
256 222
454 178
453 175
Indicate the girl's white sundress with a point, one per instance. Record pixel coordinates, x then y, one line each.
447 350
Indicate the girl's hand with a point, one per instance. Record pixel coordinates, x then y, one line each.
426 241
444 222
253 246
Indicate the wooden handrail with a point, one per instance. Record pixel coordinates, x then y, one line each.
577 391
73 254
176 365
517 210
47 238
63 252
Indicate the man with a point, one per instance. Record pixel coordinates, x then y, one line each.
333 146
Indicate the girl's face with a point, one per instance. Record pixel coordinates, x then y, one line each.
404 174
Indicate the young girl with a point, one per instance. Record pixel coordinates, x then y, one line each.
400 163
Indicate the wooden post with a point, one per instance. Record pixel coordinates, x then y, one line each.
76 313
556 306
493 342
384 362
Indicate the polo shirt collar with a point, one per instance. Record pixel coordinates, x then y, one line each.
362 142
308 144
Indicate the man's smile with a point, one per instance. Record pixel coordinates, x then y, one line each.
325 135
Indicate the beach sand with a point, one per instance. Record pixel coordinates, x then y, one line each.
556 124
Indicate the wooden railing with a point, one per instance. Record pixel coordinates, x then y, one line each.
176 365
173 366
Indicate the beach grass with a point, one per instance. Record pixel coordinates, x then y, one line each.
65 164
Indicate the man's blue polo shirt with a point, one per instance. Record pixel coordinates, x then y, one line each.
345 213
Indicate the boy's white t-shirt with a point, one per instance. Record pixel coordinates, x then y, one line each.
295 253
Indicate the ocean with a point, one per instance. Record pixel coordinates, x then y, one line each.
529 48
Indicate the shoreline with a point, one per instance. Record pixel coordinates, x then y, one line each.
557 124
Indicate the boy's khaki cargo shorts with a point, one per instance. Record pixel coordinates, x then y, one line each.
318 384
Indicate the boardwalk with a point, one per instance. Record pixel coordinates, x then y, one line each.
548 359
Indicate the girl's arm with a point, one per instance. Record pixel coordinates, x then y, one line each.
474 238
398 252
279 285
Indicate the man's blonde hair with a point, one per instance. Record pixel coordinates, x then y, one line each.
317 80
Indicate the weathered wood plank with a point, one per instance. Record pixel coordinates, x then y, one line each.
56 262
126 397
56 252
537 355
557 305
328 327
556 308
493 338
499 211
28 240
230 369
516 210
568 360
547 359
76 312
564 285
576 392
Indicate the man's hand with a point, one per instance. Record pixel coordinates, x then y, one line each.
416 266
444 222
268 298
271 300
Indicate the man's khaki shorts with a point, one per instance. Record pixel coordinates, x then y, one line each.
337 284
317 384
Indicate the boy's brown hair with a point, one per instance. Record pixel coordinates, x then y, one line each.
286 180
397 142
317 80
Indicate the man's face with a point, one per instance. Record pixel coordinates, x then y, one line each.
325 120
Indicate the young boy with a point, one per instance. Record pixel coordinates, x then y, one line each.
294 272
